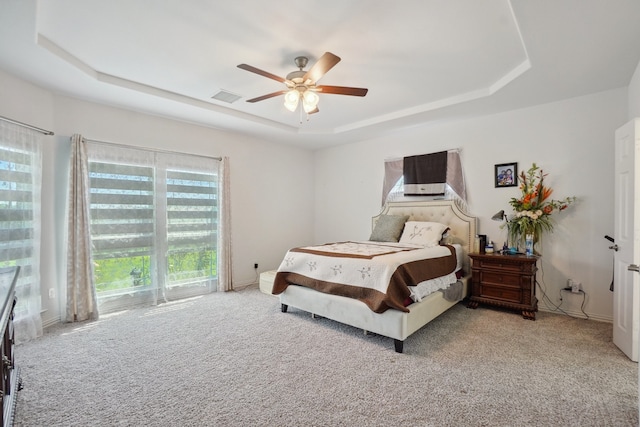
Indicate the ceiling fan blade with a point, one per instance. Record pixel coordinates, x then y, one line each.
262 72
267 96
315 110
343 90
324 64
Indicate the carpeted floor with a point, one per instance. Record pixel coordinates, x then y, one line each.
233 359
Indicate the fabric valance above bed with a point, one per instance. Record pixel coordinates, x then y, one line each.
378 274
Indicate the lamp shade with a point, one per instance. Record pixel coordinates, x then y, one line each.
291 100
499 216
309 100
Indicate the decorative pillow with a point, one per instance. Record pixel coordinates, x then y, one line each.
388 228
427 234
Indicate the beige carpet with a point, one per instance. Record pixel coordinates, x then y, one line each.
233 359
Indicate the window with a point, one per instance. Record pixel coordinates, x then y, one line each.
154 225
191 227
20 182
397 191
393 185
122 226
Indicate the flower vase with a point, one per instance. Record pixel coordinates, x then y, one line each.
528 244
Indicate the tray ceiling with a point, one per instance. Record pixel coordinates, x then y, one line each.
422 60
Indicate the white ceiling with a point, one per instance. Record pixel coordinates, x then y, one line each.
422 60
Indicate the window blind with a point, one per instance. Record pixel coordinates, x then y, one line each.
154 225
425 175
16 209
122 210
192 217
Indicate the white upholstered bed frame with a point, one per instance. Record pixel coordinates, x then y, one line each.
393 323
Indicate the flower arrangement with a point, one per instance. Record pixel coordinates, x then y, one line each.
534 208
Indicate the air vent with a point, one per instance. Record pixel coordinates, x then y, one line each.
226 96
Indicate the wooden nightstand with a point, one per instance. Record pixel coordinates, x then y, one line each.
507 281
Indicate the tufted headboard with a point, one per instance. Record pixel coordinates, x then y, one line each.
462 227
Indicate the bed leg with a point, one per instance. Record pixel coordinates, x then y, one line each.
284 307
399 345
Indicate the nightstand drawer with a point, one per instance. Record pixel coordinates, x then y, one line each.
502 266
499 278
501 293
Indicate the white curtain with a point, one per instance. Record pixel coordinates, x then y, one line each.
81 293
225 279
455 176
20 189
392 173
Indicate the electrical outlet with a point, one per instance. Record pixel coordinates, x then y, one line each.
575 286
52 293
255 265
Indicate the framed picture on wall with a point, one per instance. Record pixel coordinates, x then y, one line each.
506 175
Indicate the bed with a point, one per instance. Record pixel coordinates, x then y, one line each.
386 316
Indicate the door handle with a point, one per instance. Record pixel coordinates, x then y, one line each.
614 247
634 267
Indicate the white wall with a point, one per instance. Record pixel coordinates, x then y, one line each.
572 140
266 178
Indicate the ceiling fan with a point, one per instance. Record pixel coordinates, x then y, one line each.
302 85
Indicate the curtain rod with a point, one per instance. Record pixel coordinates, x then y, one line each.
15 122
155 150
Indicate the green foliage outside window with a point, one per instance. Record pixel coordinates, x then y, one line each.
112 274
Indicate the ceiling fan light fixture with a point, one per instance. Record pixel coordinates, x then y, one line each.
310 100
291 99
302 85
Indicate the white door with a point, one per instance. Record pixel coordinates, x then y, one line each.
626 292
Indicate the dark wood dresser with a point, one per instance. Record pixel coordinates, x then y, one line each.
10 373
507 281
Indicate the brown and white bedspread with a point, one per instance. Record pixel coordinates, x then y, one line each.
376 273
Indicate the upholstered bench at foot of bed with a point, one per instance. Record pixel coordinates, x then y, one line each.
266 281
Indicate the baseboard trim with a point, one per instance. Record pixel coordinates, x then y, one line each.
50 322
577 314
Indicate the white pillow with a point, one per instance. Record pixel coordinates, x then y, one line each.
427 234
